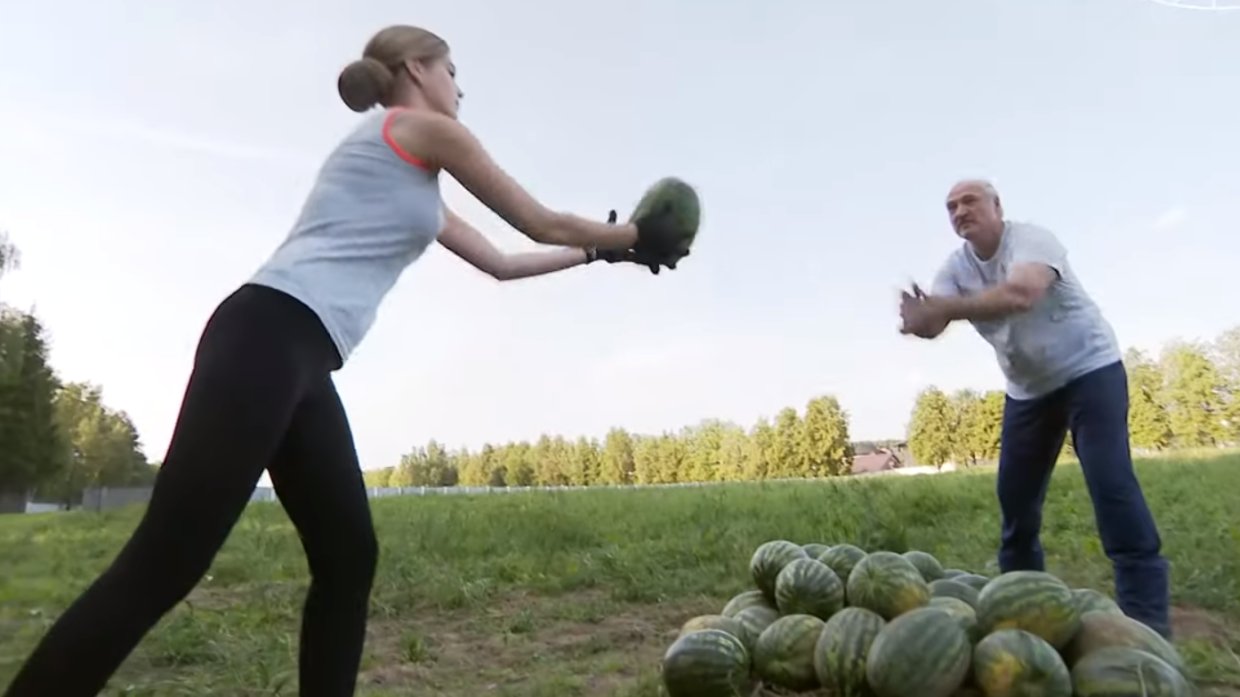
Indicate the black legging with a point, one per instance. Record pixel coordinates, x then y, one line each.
260 397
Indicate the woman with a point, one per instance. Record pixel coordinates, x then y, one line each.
261 395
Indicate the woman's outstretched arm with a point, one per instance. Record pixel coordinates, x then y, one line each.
465 241
444 143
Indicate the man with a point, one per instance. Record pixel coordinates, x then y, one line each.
1063 366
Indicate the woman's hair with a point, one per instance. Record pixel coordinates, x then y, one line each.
369 81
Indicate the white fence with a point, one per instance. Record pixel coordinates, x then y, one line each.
107 498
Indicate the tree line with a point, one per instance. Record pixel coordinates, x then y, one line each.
56 438
1189 397
814 443
1186 397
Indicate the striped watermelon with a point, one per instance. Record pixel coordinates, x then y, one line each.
808 587
707 663
1118 671
842 558
977 581
962 611
727 624
1031 600
1016 663
840 654
922 652
784 654
768 560
951 588
1101 629
888 584
1088 599
930 568
678 198
815 549
743 600
754 620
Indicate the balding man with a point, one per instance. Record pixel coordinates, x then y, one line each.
1013 283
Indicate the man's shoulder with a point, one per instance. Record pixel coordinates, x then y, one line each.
1027 229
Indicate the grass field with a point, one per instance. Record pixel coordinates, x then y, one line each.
578 593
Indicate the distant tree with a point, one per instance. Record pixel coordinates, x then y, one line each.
1226 356
103 445
585 463
1193 392
616 463
32 448
825 449
10 257
760 452
931 428
1149 422
785 458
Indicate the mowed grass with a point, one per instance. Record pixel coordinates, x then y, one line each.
578 593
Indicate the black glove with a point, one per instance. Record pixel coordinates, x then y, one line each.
657 237
638 254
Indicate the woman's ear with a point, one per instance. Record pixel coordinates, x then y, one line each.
415 69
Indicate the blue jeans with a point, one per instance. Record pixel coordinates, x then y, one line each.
1095 408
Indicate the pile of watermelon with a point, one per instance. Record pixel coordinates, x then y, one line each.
841 621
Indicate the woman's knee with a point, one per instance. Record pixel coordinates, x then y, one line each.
351 559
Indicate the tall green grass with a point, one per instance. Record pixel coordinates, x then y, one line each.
467 554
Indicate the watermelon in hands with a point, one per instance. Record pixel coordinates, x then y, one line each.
667 218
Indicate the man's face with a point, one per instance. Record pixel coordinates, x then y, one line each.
974 211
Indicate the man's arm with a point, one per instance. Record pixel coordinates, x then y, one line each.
1026 285
942 286
1037 262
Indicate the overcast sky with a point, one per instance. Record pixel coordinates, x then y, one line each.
153 154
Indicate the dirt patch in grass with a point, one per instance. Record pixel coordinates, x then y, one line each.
1196 623
580 643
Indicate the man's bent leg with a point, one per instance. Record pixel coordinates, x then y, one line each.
1098 404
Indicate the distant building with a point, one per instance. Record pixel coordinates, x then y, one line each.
880 460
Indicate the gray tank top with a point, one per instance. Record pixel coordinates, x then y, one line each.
372 212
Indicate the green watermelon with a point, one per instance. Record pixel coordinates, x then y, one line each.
951 588
728 624
888 584
1088 599
930 568
743 600
683 201
922 652
1031 600
754 620
977 581
808 587
953 573
1016 663
1118 671
707 663
962 611
842 558
784 654
768 560
843 644
1101 629
815 549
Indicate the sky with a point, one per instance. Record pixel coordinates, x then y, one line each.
153 154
